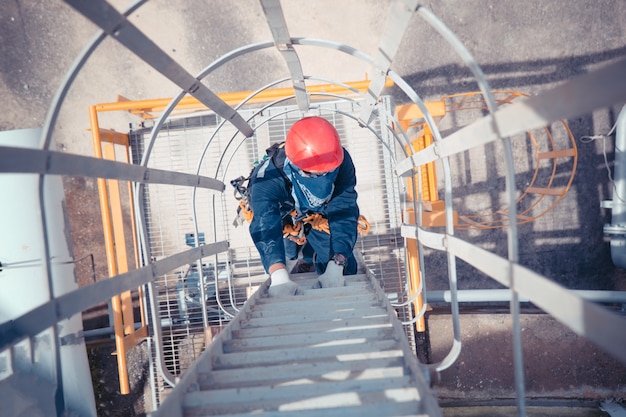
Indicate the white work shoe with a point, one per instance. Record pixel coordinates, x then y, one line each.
333 277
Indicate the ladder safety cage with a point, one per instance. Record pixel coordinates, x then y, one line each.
217 216
218 344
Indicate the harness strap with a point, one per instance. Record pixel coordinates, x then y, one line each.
295 232
363 226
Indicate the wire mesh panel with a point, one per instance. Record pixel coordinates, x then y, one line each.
173 224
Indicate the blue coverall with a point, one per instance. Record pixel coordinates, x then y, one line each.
271 200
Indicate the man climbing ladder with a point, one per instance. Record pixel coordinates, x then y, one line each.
305 190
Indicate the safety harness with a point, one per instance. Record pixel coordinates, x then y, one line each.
295 227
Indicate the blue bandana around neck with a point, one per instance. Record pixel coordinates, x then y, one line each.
310 194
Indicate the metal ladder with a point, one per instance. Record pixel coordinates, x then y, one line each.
329 352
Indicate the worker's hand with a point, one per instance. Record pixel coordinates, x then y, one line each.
333 277
282 285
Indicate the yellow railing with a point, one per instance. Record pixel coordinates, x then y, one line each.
112 212
147 108
410 117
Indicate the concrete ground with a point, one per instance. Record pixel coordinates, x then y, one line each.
528 46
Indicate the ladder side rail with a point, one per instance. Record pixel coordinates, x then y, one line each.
576 310
278 25
596 89
419 372
118 27
47 315
171 407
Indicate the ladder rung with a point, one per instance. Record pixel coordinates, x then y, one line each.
276 374
308 284
313 276
239 345
300 397
347 343
264 303
288 355
329 326
313 315
269 310
404 409
321 294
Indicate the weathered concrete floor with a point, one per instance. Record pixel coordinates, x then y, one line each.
558 364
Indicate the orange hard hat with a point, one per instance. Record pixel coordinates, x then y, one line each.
313 145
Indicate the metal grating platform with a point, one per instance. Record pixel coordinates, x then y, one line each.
331 352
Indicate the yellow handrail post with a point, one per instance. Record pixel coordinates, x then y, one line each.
409 116
116 302
126 336
414 275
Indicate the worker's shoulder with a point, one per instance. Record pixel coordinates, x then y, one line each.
347 159
346 153
267 173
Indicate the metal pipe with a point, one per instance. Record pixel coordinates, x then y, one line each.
617 229
498 295
110 331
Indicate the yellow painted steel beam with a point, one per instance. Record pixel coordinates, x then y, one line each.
121 256
126 337
433 209
415 282
107 224
133 339
116 138
410 114
428 174
190 102
431 176
142 313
